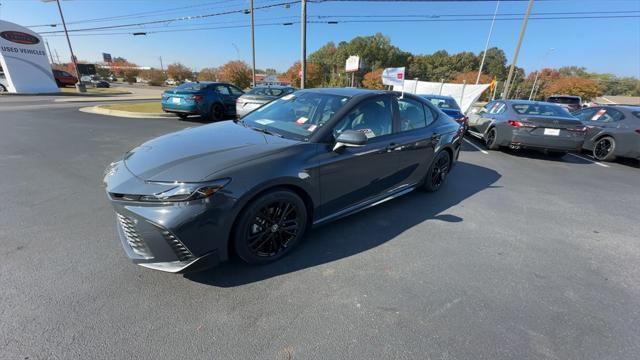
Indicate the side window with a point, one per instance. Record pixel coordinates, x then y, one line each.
607 115
373 117
412 115
236 91
586 114
498 108
222 90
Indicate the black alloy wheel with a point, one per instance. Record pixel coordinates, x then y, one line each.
270 226
603 149
438 172
490 140
217 112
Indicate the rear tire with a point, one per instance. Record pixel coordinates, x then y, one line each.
438 172
269 227
491 139
604 149
217 112
183 116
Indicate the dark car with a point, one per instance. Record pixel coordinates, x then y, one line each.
449 106
528 124
211 100
63 78
571 103
612 131
259 96
101 83
253 186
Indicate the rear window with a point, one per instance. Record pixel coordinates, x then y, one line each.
636 114
191 86
564 100
541 110
444 103
269 91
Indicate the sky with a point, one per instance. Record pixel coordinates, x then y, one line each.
606 45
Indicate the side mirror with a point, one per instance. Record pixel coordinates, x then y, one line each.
350 138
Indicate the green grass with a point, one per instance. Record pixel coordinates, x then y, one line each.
145 107
90 90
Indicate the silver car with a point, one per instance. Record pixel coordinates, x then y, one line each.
521 124
612 131
259 96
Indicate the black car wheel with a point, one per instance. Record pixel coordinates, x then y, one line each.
2 88
269 227
438 172
217 112
183 116
604 148
491 139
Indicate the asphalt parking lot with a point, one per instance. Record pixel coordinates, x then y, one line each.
517 257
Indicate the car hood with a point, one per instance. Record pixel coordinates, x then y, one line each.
197 154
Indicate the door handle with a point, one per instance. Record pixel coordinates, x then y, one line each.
393 147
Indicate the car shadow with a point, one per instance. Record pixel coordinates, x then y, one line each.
362 231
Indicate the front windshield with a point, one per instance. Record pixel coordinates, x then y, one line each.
541 109
296 115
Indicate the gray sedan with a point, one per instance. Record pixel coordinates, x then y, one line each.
612 131
259 96
528 124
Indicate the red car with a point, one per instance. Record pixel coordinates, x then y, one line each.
63 78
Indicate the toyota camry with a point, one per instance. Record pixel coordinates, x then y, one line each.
252 187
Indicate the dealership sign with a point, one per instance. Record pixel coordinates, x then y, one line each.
24 60
352 64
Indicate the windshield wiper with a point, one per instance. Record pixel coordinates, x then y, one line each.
265 131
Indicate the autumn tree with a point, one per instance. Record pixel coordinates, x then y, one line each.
587 89
373 80
179 72
470 78
155 77
208 74
313 79
236 72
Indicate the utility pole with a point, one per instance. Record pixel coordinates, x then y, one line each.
253 51
507 84
49 50
161 65
486 45
303 40
79 85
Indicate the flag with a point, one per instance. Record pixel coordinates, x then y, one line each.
393 76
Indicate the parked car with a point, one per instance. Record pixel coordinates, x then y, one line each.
101 83
449 106
211 100
63 78
259 96
4 83
571 103
112 78
528 124
612 131
253 186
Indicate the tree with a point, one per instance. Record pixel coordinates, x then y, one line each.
236 72
573 85
154 76
270 71
179 72
313 79
578 71
470 77
495 63
373 80
123 68
208 74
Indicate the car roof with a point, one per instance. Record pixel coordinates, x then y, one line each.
348 92
565 96
431 96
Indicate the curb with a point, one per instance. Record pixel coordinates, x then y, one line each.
126 114
106 98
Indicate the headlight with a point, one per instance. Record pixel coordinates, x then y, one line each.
186 191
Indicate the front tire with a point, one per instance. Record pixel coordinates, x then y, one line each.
438 172
491 139
604 148
270 227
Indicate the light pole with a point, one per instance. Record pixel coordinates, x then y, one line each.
253 51
535 81
303 40
79 85
486 45
507 84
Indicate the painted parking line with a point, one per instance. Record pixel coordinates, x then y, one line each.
589 160
476 146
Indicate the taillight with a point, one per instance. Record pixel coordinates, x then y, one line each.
518 123
463 120
578 129
238 101
638 131
195 97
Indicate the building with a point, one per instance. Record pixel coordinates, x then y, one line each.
271 80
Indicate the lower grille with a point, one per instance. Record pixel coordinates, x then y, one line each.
177 246
134 239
